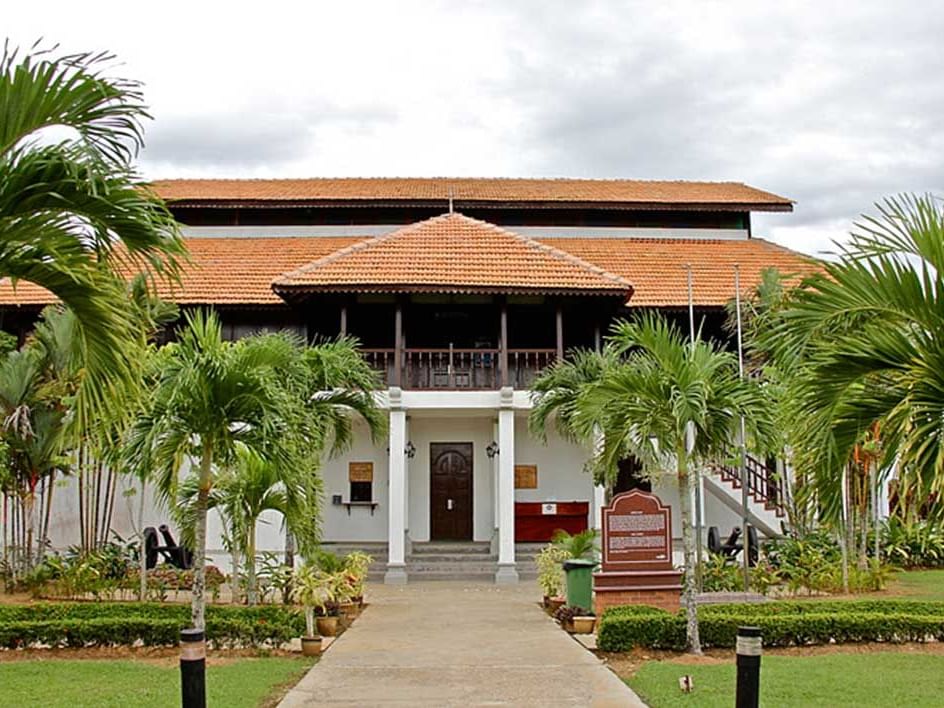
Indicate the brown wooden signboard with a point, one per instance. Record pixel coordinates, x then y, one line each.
360 471
637 533
526 476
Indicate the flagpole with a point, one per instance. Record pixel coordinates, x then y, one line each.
745 492
690 446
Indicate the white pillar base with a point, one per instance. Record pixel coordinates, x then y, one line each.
506 574
395 575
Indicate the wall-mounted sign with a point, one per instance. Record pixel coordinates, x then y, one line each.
526 476
549 509
360 471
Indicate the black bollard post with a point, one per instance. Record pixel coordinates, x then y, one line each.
748 667
192 668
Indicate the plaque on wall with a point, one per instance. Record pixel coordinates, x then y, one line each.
360 471
637 533
526 476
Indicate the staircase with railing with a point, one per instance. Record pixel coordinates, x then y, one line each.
764 485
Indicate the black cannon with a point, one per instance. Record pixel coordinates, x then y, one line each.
733 545
175 554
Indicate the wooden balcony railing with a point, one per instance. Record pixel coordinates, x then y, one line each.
458 369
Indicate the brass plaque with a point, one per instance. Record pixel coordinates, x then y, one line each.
526 476
360 471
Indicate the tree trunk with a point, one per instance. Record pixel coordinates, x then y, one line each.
289 562
198 603
310 621
251 591
689 592
234 583
44 536
142 555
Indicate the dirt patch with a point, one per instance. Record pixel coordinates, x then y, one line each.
161 656
626 664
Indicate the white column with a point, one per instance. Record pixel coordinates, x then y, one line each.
396 517
599 501
506 572
599 491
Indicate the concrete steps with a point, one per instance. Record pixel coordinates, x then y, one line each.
442 560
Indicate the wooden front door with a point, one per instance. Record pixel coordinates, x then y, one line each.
450 491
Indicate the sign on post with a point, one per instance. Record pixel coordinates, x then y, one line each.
637 533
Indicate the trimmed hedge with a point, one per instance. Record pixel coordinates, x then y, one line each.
781 624
148 624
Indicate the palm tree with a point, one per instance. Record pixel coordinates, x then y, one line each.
73 212
268 395
556 392
868 334
251 487
646 405
210 396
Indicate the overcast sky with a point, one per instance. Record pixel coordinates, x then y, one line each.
834 105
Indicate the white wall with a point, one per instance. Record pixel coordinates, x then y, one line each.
561 473
360 524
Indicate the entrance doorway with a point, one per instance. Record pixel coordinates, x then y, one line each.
450 491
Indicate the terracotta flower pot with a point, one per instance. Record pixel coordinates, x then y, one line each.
584 625
568 625
311 646
327 626
555 603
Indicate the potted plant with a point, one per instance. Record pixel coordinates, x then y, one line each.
309 591
357 564
583 621
565 615
551 575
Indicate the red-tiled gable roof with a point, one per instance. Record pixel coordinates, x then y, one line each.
657 267
439 189
452 253
222 271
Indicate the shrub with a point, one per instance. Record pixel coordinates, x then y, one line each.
781 624
120 624
913 544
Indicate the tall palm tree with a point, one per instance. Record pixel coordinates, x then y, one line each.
210 396
73 212
646 404
267 394
868 331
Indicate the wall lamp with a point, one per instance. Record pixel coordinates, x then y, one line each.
491 450
410 450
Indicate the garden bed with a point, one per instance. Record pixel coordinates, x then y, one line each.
79 624
798 623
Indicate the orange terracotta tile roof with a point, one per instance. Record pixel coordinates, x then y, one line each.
603 191
241 270
222 271
657 267
452 253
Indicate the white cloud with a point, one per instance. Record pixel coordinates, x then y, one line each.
833 104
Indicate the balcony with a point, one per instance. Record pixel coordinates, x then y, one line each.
459 369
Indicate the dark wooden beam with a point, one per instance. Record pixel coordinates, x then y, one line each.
398 344
560 332
503 342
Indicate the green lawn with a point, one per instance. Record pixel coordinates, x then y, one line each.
919 584
75 683
834 680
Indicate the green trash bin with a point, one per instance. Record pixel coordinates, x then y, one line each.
579 575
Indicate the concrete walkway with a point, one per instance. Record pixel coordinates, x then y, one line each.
456 644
